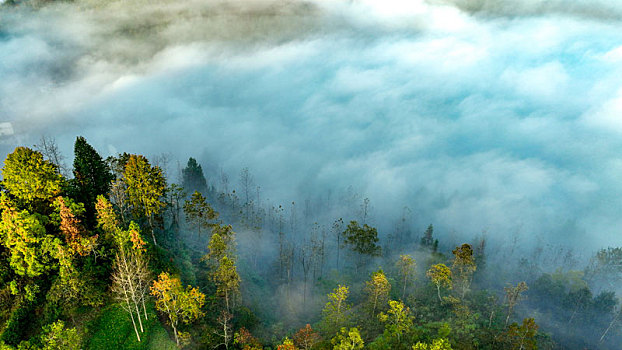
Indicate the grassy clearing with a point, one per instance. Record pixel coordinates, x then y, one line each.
113 330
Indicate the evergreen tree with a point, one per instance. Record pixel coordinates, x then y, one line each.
92 176
193 178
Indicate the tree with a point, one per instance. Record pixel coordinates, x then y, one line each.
440 275
377 288
193 178
131 274
145 187
336 308
348 340
288 344
227 281
30 179
306 338
428 240
48 147
463 268
177 303
92 176
29 246
406 265
199 212
513 295
522 337
362 240
398 319
56 337
437 344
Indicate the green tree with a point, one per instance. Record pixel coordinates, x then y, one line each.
437 344
177 303
377 288
335 309
362 240
30 248
348 340
513 295
398 319
30 179
92 176
463 268
193 178
406 265
56 337
145 187
199 212
440 275
522 337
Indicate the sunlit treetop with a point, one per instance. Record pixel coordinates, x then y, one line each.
30 178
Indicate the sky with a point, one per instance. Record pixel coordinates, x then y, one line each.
498 116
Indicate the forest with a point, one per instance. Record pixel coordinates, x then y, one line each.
116 254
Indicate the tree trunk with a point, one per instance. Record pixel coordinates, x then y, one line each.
133 322
438 291
175 332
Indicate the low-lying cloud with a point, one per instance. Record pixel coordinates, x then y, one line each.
481 115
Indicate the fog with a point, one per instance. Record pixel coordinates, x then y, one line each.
496 116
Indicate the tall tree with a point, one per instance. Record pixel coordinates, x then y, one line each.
406 265
463 268
513 295
377 288
145 188
199 212
362 240
348 340
30 179
177 303
335 309
92 176
440 275
397 319
193 178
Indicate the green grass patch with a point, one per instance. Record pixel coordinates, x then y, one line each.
113 330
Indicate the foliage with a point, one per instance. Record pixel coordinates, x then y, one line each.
192 177
440 275
30 178
177 303
347 339
437 344
199 212
335 309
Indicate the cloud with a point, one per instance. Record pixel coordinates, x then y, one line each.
474 122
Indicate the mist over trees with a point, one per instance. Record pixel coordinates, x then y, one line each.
119 255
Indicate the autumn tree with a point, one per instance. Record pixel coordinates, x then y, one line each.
193 179
177 303
513 295
463 268
440 275
377 289
199 213
92 176
406 266
306 338
145 188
